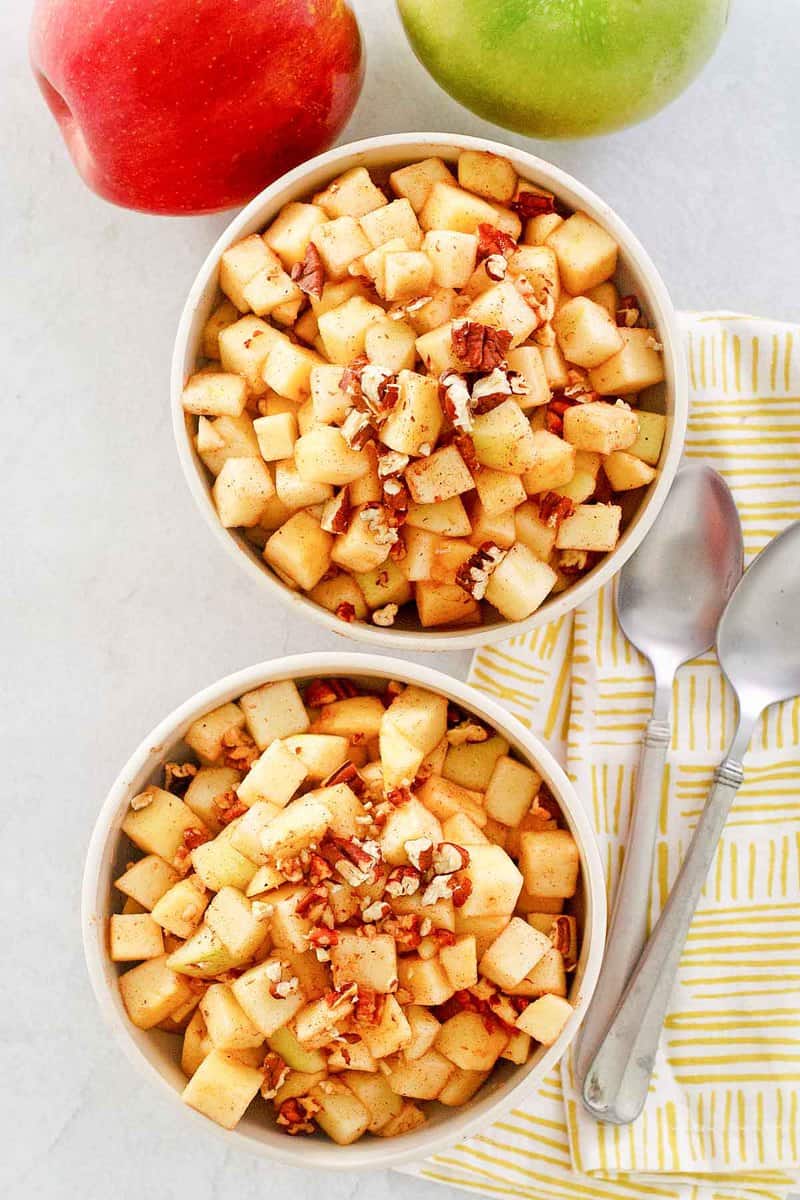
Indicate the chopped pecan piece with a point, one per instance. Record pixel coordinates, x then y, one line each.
194 837
553 508
295 1115
345 612
629 311
467 730
466 448
322 938
420 853
461 886
496 267
357 429
178 776
377 517
309 275
406 931
336 513
326 691
492 240
385 617
533 204
369 1006
347 773
474 574
238 749
481 347
402 881
456 400
313 902
275 1072
579 387
447 858
229 807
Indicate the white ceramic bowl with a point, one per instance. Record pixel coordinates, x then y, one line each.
156 1054
636 274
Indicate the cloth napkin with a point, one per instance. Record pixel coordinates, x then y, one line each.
722 1118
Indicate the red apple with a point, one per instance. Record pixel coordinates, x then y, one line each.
190 106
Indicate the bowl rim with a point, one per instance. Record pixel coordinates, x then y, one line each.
665 321
374 1153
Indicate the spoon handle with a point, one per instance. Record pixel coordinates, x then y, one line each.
628 930
616 1084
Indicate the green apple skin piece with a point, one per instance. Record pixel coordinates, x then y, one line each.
564 68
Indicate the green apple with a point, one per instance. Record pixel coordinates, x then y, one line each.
564 68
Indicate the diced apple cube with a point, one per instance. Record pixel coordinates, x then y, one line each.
450 207
295 492
625 471
460 962
499 491
406 275
241 491
243 350
438 310
339 243
270 289
483 929
222 316
453 256
288 368
369 962
461 1087
514 953
274 710
447 518
228 1026
214 394
352 194
416 419
587 255
147 880
591 527
157 821
445 604
607 296
151 991
520 584
422 1078
290 232
134 938
300 549
638 365
357 717
374 1092
490 527
444 799
343 330
406 823
465 1041
528 361
600 427
415 181
384 584
275 776
545 1018
391 1033
471 764
436 350
425 979
276 435
652 427
538 229
550 862
487 175
219 864
227 437
496 883
328 400
395 220
502 307
439 477
511 790
462 829
533 532
363 546
253 992
503 439
222 1088
239 263
181 909
391 345
586 333
554 463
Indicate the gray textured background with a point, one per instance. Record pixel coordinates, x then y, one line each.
118 603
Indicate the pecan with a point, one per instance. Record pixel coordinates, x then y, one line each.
481 347
573 562
295 1115
178 776
275 1072
629 311
466 448
385 616
327 691
398 551
496 267
533 204
563 937
438 889
350 382
309 275
406 931
397 796
357 429
238 749
420 853
402 881
369 1006
448 858
461 886
284 988
313 902
579 387
380 390
194 837
375 910
474 574
336 512
492 240
456 400
229 807
356 861
443 937
466 731
378 520
347 773
396 500
345 612
553 508
322 938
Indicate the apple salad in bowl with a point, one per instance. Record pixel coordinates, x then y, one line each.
418 396
345 900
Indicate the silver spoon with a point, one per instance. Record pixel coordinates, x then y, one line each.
670 597
758 645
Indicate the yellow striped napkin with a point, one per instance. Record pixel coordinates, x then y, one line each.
722 1117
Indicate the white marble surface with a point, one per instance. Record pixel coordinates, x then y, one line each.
118 604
